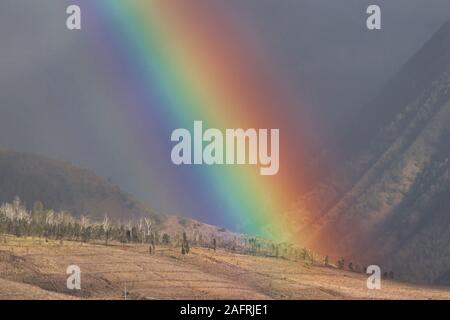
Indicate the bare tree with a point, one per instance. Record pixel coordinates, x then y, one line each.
50 217
141 229
148 226
130 231
150 235
106 225
84 222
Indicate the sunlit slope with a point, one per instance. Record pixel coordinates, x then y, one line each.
34 269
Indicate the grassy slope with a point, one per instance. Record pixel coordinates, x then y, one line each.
35 269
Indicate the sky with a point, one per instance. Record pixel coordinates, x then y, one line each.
53 103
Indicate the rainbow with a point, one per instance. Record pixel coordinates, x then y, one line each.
181 61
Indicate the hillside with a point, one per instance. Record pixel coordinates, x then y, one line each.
62 186
394 206
36 269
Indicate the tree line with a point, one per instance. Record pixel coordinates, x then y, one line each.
16 219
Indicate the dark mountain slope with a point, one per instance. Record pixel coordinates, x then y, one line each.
400 93
395 205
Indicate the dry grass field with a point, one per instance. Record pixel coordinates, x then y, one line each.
36 269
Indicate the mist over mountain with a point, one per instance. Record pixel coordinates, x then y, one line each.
393 207
60 97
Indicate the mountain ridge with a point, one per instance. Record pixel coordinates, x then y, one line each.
391 206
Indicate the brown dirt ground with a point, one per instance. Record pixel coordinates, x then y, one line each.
36 269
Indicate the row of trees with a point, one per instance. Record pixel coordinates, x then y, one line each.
263 247
40 222
354 267
17 220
